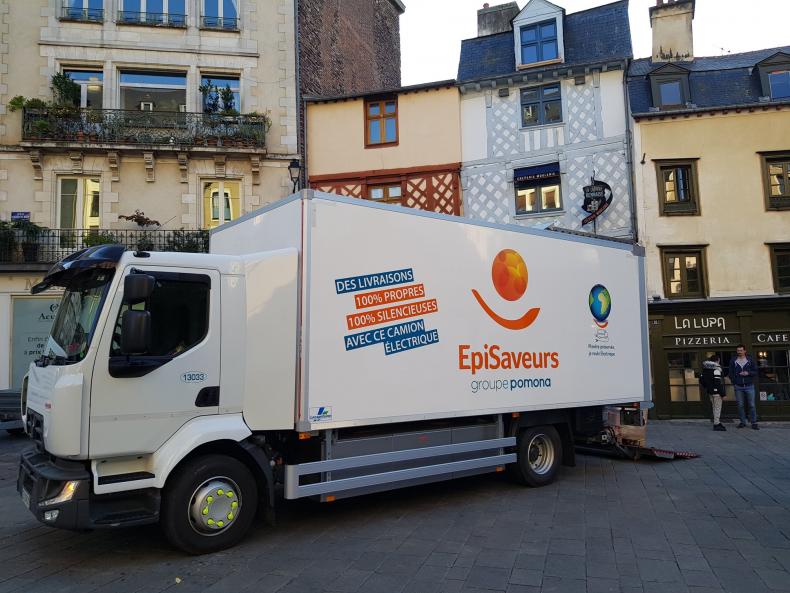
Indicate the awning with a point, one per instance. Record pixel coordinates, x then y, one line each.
536 173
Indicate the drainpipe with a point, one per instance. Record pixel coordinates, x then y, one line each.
301 134
629 156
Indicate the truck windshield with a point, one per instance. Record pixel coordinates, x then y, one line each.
76 320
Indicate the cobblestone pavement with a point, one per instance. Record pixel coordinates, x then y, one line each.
713 524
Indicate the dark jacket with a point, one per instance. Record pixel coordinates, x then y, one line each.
711 378
735 372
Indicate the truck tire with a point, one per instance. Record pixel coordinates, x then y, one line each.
208 504
539 454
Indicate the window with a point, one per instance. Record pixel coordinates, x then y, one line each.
153 91
220 14
221 202
179 307
169 13
381 122
670 87
773 374
777 172
541 105
683 273
90 82
684 371
537 189
780 263
779 84
539 42
83 10
79 203
677 187
385 194
212 87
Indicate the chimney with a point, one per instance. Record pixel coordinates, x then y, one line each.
673 39
496 19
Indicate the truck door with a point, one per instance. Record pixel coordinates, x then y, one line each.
139 401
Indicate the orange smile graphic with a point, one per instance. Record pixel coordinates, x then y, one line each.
510 278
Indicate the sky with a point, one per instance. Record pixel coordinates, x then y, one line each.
432 30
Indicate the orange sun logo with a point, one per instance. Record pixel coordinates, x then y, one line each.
510 278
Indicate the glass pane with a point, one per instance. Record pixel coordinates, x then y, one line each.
177 7
229 9
211 204
394 191
155 78
682 185
374 109
232 200
677 393
91 204
692 393
549 50
526 200
85 75
777 179
390 130
377 193
551 91
374 131
529 95
211 8
389 107
529 34
152 99
553 112
94 96
550 197
68 203
529 115
780 84
132 5
529 53
548 30
220 81
670 93
155 6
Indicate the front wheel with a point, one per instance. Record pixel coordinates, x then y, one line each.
209 504
539 453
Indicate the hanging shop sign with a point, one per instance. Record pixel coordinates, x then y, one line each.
597 198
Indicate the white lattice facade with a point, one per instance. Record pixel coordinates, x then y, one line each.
590 140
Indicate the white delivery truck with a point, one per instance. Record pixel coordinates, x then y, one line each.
328 347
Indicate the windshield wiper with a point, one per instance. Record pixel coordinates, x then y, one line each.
46 359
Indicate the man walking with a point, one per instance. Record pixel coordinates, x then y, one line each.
711 381
742 374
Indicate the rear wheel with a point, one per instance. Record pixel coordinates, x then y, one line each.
209 504
539 453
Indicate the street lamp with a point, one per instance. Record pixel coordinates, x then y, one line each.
293 170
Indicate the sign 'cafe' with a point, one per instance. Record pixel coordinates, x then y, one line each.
682 338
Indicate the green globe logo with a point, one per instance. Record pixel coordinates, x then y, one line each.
600 303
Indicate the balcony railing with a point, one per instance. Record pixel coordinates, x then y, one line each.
152 19
90 15
52 245
115 126
219 23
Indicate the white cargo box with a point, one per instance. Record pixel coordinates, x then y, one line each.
407 315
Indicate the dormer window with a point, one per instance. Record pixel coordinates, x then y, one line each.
670 87
775 76
539 42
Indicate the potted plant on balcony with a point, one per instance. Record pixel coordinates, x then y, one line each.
7 242
188 241
99 237
30 233
42 129
144 237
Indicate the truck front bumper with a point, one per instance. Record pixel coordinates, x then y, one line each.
58 493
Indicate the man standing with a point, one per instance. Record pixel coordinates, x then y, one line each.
742 374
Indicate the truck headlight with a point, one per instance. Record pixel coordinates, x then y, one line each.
66 494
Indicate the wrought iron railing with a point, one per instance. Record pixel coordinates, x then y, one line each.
115 126
52 245
91 15
153 19
221 23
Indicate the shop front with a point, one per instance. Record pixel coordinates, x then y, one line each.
684 333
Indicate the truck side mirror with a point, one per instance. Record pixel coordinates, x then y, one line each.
137 288
135 332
